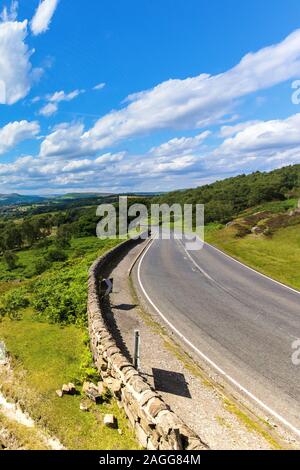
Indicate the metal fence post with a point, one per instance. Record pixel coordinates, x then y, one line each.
137 346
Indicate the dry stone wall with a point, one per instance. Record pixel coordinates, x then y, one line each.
155 425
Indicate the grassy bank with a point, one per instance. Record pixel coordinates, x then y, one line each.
277 256
44 357
49 347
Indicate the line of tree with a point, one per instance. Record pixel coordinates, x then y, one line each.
227 198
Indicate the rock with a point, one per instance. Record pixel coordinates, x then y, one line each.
84 407
72 388
59 393
114 385
174 439
102 389
142 437
68 389
294 212
256 230
110 421
85 386
120 432
65 389
155 406
91 391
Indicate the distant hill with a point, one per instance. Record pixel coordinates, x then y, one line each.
71 196
15 199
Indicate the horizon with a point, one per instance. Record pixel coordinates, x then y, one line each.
64 193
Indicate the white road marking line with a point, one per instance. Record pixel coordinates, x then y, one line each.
196 264
253 270
208 360
225 289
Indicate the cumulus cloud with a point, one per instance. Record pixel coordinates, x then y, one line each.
48 110
16 132
260 145
43 16
195 102
180 162
118 171
16 72
180 146
15 67
264 136
59 96
53 101
228 131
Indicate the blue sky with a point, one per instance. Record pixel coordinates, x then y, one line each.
134 95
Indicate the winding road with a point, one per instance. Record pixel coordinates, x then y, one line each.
241 323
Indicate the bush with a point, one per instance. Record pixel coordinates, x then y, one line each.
41 265
10 259
44 243
12 302
61 297
56 254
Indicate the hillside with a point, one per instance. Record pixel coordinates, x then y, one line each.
226 199
266 238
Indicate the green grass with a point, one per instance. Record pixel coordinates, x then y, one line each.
44 357
278 256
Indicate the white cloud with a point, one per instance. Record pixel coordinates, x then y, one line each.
15 67
66 141
43 16
195 102
48 110
16 72
10 14
59 96
100 86
110 157
228 131
260 145
53 100
264 136
180 146
16 132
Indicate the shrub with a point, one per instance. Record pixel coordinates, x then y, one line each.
41 265
56 254
61 297
12 302
10 259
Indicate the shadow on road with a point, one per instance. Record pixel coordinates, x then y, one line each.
171 382
125 307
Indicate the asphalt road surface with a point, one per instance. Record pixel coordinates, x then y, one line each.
241 323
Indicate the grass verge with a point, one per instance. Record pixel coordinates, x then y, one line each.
44 356
277 257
